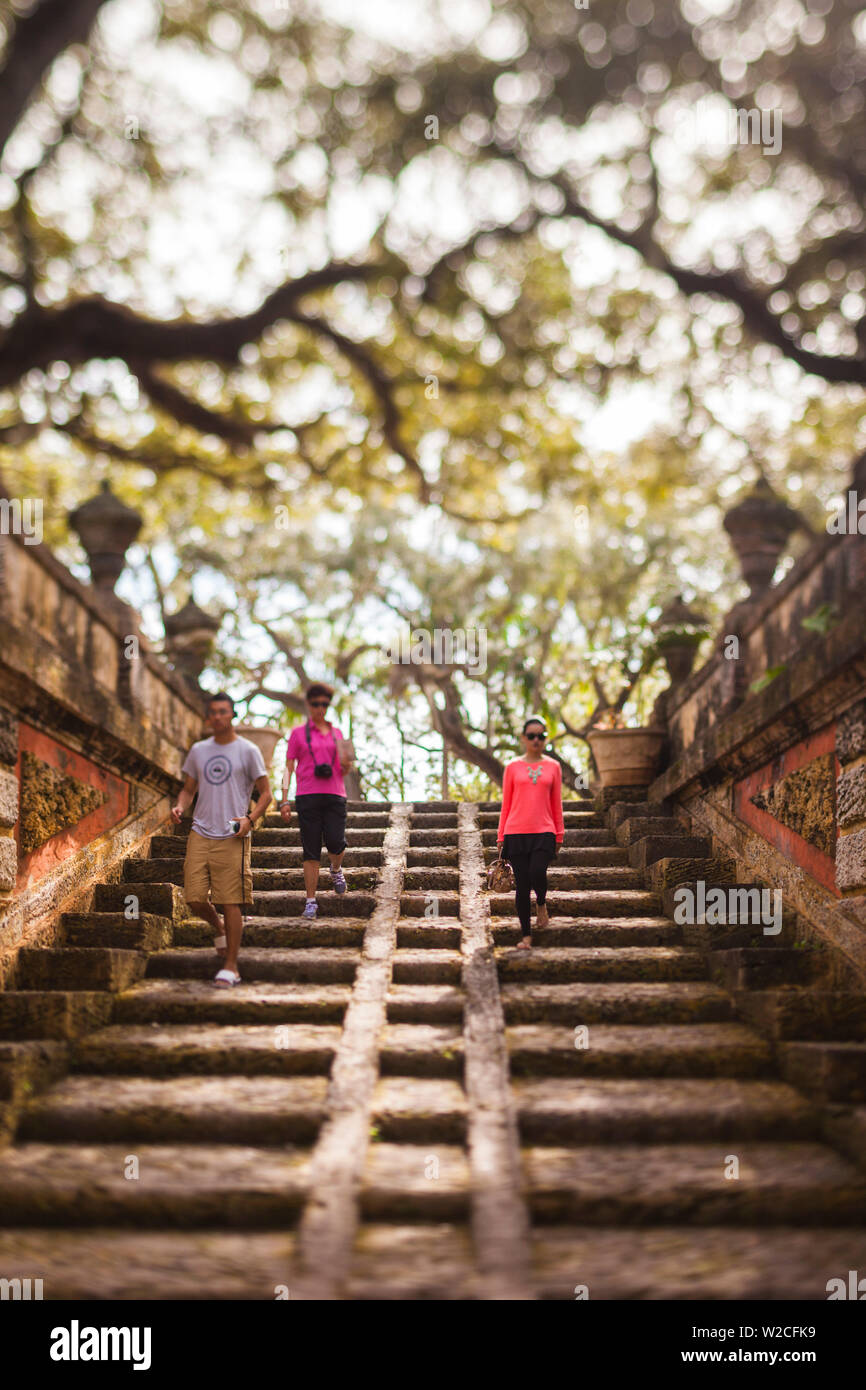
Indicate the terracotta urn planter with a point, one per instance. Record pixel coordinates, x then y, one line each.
626 757
266 740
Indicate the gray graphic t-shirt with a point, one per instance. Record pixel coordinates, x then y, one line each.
225 773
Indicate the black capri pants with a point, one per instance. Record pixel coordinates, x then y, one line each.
529 856
321 816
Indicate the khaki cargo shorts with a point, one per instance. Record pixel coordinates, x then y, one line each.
221 869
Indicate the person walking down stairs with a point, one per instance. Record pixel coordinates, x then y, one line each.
221 772
320 754
531 826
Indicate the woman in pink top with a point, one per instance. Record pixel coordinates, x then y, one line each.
531 827
320 799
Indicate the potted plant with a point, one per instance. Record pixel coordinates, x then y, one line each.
679 632
625 757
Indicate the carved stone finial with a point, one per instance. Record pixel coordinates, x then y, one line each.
759 527
106 528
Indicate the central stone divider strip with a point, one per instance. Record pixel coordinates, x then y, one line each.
500 1223
328 1225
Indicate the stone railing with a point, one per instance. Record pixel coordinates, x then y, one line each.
93 729
767 741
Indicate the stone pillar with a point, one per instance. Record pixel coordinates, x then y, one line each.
851 810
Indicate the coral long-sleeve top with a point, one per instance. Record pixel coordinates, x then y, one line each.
531 799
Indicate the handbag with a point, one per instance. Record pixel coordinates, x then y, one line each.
500 875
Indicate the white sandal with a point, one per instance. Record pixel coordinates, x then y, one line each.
220 944
226 978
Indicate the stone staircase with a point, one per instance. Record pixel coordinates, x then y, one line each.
396 1104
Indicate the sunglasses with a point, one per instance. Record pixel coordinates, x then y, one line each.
318 704
536 737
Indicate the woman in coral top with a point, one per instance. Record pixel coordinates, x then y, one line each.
530 823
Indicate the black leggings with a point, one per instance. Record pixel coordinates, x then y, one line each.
529 856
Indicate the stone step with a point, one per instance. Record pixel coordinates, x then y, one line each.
718 1263
431 858
701 1049
582 819
844 1126
358 814
357 857
809 1014
571 878
423 933
633 828
406 1182
434 838
421 1049
573 839
316 965
416 880
198 1001
117 1265
276 933
284 1049
637 810
427 1003
798 1184
359 880
57 1014
445 903
420 967
581 857
419 1110
686 1002
620 963
620 902
579 1110
597 931
288 904
155 899
435 820
79 967
288 837
179 1185
420 1260
143 933
28 1067
186 1109
667 873
834 1071
762 967
645 851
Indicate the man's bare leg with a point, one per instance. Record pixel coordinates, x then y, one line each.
210 914
234 930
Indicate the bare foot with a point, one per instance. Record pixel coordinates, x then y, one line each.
524 943
541 915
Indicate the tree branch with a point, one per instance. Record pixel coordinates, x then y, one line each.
38 39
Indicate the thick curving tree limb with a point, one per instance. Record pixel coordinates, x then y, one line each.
37 40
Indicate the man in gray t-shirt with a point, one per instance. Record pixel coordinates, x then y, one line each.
221 773
225 773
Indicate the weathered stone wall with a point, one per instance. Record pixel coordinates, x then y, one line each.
777 777
93 728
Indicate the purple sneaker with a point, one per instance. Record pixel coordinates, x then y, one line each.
338 878
311 909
